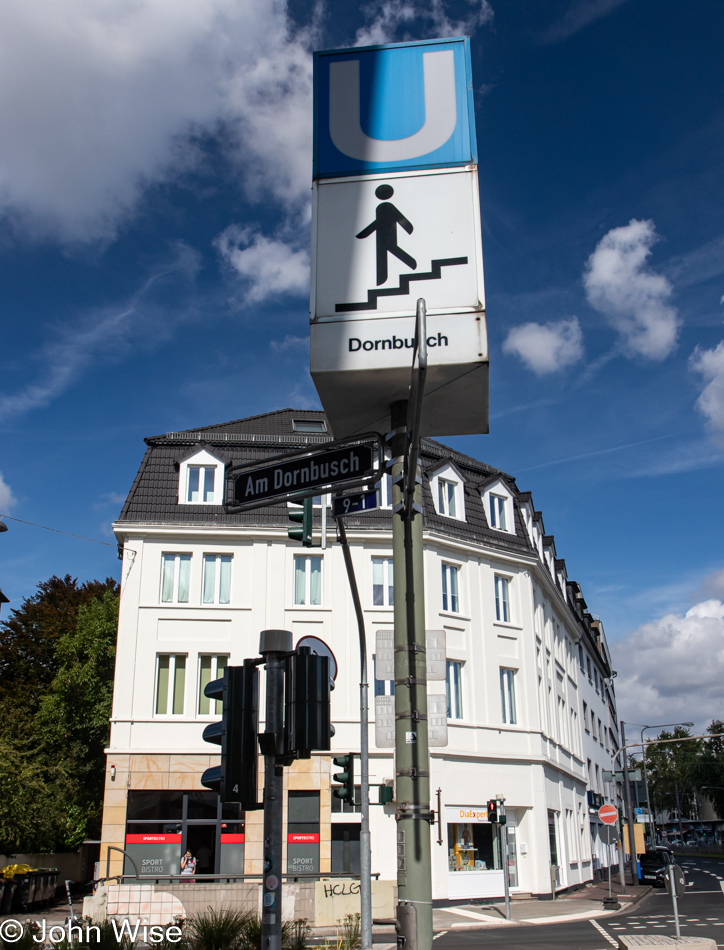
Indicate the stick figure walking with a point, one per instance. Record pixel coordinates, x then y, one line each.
387 217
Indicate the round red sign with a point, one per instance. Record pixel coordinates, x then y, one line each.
608 814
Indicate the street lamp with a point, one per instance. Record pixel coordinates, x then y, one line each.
3 526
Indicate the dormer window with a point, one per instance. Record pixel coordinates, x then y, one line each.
201 479
447 487
200 484
498 503
309 425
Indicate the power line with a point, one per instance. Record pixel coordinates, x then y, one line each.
80 537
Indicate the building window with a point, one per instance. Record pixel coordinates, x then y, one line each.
580 657
585 716
453 689
600 732
502 600
309 425
200 484
210 668
507 695
450 599
593 726
497 513
383 591
170 684
175 578
217 579
307 581
446 498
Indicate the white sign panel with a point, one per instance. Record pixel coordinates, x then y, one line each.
385 655
385 722
436 720
435 646
380 242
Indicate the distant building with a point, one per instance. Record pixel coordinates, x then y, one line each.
529 694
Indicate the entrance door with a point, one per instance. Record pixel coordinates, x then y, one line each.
201 842
553 841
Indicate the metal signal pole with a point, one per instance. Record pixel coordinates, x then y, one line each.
412 758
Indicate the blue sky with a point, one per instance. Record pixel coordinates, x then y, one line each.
155 171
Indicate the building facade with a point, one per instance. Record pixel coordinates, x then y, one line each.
524 712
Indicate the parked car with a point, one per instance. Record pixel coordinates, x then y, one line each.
655 866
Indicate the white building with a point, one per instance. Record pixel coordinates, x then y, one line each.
198 586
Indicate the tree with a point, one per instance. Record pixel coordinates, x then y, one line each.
671 768
74 714
710 766
28 660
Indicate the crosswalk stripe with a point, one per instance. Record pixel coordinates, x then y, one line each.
599 928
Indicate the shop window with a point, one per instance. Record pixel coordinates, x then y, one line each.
507 696
170 684
453 689
502 599
345 848
307 581
450 599
383 591
217 579
175 578
472 846
210 668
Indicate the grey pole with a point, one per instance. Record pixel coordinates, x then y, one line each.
629 810
365 857
649 809
506 881
273 644
672 883
412 761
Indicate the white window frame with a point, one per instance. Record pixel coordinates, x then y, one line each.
171 686
508 701
448 572
450 475
215 705
166 557
205 460
502 585
218 559
307 558
454 689
499 490
382 687
387 582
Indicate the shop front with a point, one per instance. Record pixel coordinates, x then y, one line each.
475 852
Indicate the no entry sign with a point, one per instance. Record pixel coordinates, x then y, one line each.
608 814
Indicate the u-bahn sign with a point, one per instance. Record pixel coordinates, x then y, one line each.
340 465
396 217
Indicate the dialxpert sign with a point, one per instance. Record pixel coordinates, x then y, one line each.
396 217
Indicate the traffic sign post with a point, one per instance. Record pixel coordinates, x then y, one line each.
608 814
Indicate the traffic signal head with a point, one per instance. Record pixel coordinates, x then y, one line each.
235 779
492 810
345 790
307 686
302 516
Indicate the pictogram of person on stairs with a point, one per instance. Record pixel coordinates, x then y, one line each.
387 218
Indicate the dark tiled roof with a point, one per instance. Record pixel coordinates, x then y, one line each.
154 493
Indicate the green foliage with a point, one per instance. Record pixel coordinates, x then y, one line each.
709 769
96 937
298 934
227 929
57 655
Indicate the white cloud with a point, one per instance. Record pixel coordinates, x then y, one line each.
99 336
710 364
673 668
713 585
546 347
634 299
99 99
270 267
293 343
578 16
7 499
389 17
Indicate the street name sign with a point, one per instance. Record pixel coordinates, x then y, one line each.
395 218
350 504
302 475
608 814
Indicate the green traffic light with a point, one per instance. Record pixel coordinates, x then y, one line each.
303 517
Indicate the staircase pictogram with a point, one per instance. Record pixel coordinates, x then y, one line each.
404 287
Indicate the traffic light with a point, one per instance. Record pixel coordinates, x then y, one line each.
307 685
235 779
302 516
345 791
492 810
